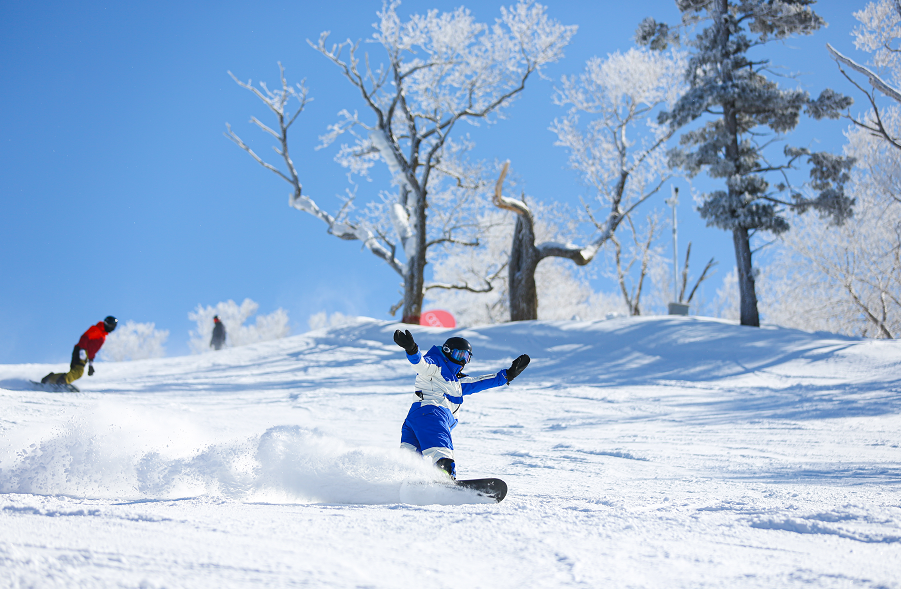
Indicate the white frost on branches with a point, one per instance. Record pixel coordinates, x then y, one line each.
879 33
443 68
267 327
850 276
613 141
483 268
278 102
380 143
323 320
134 341
727 303
563 291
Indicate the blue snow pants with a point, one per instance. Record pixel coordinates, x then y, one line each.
428 427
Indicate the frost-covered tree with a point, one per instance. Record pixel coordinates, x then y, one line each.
640 249
851 276
614 146
135 341
563 288
323 320
471 282
727 303
265 328
743 113
640 268
282 104
442 69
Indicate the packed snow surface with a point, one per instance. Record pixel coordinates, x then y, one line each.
640 452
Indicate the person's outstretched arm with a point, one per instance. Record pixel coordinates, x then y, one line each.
405 340
477 384
420 364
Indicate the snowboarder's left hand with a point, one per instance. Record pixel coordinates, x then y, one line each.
517 367
90 369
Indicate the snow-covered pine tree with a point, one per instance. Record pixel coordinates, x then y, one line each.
443 69
742 109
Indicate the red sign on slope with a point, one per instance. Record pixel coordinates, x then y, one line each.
437 318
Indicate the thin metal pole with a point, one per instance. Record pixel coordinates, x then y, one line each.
674 201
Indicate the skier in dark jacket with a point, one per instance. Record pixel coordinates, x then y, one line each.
440 387
218 340
83 353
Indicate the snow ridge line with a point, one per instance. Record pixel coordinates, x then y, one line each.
800 526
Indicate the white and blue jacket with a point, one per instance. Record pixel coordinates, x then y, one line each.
437 381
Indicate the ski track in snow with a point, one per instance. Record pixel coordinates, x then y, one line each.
641 452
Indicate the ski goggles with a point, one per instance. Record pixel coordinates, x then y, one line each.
459 355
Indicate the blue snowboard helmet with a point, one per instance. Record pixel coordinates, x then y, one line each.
457 350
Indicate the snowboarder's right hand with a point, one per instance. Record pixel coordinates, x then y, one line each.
90 370
405 340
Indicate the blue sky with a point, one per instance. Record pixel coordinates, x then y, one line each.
120 194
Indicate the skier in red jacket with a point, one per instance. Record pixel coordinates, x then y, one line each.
83 353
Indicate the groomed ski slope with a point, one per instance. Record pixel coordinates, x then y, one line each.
642 452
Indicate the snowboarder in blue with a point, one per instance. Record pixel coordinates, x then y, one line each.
440 387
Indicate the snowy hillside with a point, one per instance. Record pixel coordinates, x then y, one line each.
645 452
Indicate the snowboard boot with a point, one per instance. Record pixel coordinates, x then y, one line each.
448 466
49 379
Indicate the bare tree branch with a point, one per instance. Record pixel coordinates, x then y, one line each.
703 277
489 282
277 102
474 243
883 329
879 129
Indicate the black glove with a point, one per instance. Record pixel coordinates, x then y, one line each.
517 367
90 369
405 340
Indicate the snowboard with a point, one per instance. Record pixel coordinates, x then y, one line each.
494 488
54 388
